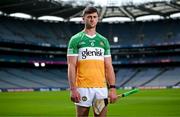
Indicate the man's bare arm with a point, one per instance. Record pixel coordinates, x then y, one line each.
72 61
72 65
110 77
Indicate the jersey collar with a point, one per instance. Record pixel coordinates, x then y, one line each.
91 36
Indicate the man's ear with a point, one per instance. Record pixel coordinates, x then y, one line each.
83 20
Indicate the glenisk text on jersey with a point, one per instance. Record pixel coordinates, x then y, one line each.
96 52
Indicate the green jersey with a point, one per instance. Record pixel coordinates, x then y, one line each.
91 51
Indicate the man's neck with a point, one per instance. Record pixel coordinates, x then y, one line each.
90 32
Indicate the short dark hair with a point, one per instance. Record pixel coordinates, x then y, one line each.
89 10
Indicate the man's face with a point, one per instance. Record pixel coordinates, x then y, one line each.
91 20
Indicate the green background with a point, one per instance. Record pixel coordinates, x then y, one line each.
145 103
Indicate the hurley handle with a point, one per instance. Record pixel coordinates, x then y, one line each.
129 92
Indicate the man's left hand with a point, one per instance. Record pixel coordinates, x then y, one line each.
112 95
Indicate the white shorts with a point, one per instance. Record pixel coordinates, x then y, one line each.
90 94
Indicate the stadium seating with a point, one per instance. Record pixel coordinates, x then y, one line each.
32 78
148 77
126 77
168 78
133 33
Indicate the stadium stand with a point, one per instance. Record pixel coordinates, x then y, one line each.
142 33
147 53
33 32
148 77
32 78
168 78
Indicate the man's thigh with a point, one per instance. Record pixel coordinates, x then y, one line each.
82 111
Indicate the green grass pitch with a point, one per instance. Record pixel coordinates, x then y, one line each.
145 103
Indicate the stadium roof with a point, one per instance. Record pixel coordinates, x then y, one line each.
68 10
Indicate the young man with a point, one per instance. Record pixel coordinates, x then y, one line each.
90 66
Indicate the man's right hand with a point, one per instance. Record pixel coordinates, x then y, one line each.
75 96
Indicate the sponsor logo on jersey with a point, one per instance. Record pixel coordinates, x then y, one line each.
96 52
91 53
